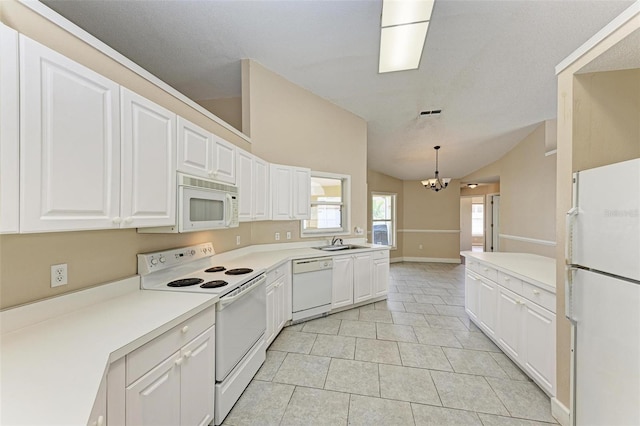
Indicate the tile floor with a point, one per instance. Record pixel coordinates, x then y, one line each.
413 359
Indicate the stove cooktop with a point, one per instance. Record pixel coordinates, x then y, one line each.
192 269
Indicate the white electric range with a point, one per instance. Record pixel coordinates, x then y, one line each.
240 313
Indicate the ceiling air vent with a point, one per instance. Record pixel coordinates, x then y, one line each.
431 112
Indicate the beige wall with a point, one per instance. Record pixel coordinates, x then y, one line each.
228 109
527 195
465 223
582 112
379 182
309 136
431 220
290 125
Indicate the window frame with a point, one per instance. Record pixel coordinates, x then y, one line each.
345 203
394 216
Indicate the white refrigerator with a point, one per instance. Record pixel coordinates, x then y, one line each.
603 294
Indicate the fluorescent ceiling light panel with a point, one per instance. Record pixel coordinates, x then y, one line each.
401 47
399 12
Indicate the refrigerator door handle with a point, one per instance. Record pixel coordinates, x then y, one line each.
569 294
569 220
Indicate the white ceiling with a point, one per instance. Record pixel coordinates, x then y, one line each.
489 65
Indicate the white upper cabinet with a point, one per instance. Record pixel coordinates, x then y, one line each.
290 192
224 161
195 149
201 153
244 168
148 190
301 193
69 143
253 187
9 132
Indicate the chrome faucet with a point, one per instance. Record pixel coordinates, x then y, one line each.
335 240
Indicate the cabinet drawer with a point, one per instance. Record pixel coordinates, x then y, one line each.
278 272
487 271
512 283
381 254
539 296
148 356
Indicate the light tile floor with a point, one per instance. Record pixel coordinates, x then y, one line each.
413 359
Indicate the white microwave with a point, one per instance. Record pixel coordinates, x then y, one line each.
202 205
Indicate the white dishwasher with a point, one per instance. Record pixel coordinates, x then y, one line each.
311 287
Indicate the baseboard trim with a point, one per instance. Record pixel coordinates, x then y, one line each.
395 260
560 412
428 259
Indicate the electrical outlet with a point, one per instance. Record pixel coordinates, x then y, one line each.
288 235
58 275
277 236
237 240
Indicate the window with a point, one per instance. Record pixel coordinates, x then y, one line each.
329 205
383 218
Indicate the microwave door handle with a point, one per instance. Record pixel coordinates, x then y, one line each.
228 209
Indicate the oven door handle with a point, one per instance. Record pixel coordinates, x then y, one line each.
226 301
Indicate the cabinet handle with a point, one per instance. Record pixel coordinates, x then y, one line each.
486 269
519 302
187 354
128 220
506 278
100 421
178 361
536 292
116 219
185 328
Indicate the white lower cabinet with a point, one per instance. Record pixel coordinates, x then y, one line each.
522 328
362 277
380 273
278 301
178 391
488 299
342 282
539 347
359 277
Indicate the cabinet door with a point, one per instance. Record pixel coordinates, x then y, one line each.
69 143
195 149
509 328
362 277
380 277
154 399
270 332
148 194
9 132
342 282
245 179
197 380
281 178
539 345
224 161
301 201
487 300
261 192
471 286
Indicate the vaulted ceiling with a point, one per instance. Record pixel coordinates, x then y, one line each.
489 65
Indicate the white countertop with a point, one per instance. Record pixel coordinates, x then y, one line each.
536 269
55 353
51 370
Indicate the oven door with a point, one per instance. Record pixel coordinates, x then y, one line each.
241 320
202 209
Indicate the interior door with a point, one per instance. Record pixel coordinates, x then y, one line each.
495 223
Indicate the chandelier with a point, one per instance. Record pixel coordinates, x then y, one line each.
436 183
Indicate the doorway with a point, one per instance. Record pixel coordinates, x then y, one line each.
472 219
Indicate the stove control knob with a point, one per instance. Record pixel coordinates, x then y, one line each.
163 259
192 252
154 261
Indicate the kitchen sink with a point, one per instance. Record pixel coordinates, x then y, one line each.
340 247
